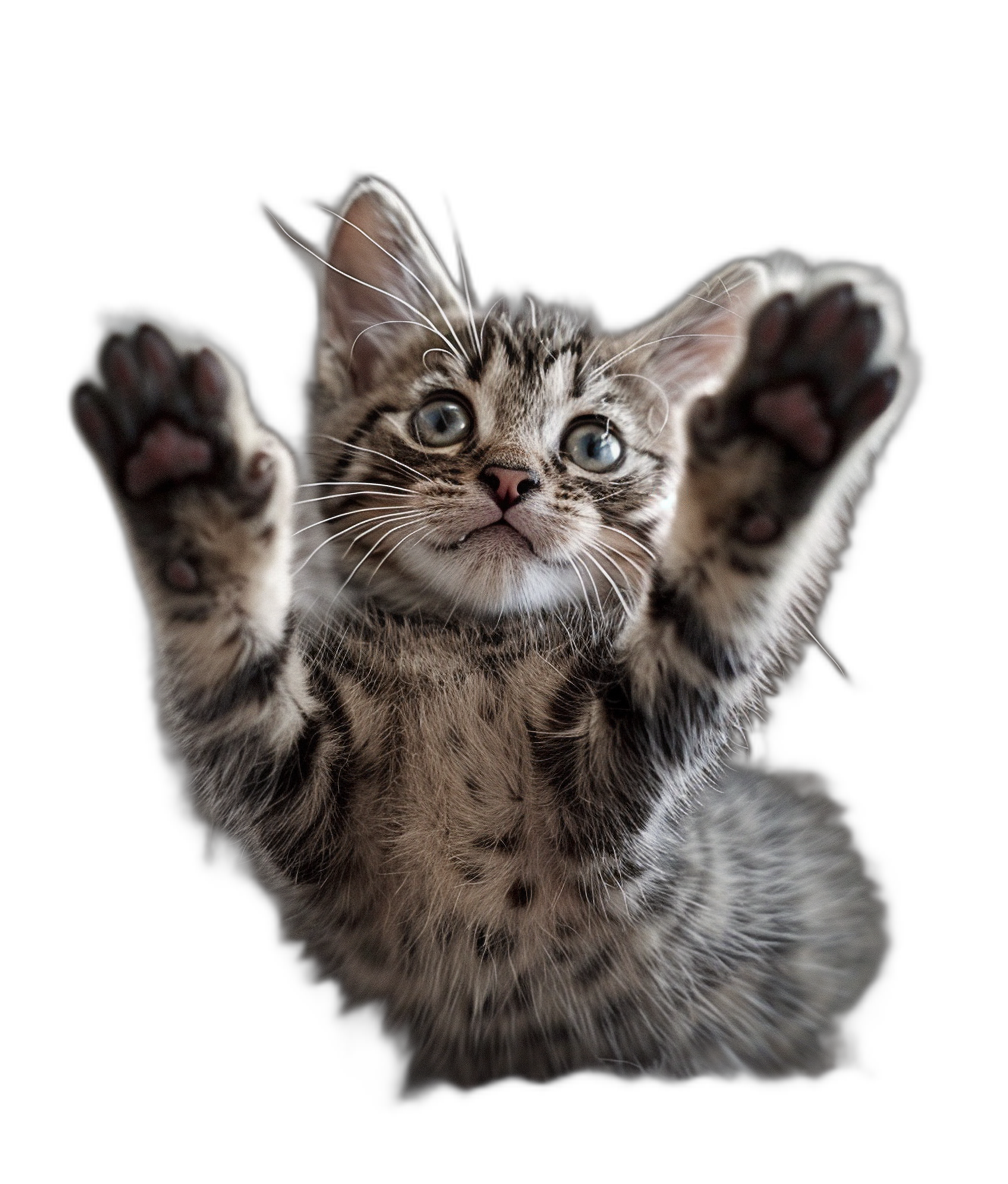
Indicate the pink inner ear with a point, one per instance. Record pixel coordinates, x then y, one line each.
703 335
380 269
354 310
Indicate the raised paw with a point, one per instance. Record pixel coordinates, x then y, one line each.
160 421
809 383
805 391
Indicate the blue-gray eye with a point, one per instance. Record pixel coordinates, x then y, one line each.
593 445
443 421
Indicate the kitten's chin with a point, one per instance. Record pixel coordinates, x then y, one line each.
490 571
498 536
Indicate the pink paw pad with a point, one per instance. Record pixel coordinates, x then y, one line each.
760 528
181 574
794 416
167 455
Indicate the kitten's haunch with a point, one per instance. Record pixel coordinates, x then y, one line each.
467 696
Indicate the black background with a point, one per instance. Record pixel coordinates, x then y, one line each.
166 997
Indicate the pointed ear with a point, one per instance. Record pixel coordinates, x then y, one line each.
693 348
384 282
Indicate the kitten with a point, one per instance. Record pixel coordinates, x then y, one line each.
467 697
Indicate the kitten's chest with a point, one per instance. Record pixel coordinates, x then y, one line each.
456 881
447 796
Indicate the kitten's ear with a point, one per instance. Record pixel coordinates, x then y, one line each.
383 280
693 348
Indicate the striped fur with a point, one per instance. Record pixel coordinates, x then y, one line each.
480 752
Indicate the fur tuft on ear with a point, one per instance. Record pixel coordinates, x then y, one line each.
384 283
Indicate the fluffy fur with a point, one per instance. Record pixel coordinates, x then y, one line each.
467 701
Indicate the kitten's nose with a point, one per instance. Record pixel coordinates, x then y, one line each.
508 485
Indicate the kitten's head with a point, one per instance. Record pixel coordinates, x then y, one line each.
487 460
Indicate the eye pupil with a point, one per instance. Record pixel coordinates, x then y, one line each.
443 421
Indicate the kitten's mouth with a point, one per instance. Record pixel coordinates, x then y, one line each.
500 531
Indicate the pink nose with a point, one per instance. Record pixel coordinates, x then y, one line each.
508 485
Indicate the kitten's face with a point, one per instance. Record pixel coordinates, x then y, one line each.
491 463
521 480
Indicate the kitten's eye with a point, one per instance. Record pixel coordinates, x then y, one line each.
443 421
593 445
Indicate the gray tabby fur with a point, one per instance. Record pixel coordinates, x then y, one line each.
487 779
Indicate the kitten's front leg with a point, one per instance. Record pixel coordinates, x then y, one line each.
774 464
204 494
784 926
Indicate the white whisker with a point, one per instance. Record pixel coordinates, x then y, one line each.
570 563
346 514
435 349
730 311
616 551
657 341
630 538
361 561
399 544
324 543
326 497
406 515
378 325
660 389
836 661
591 579
409 272
409 521
610 581
464 276
483 324
591 353
373 287
375 452
599 550
728 291
375 484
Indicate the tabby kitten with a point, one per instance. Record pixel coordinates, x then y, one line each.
467 697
